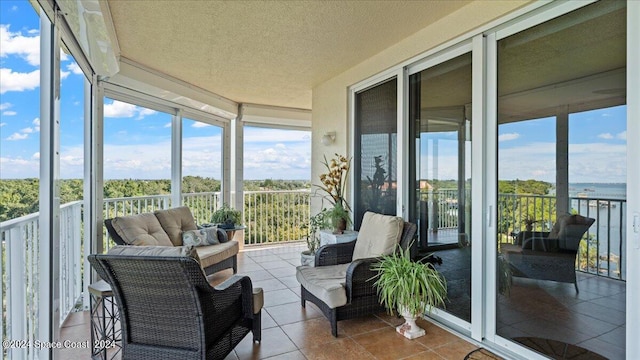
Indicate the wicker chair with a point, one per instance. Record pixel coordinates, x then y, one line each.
362 298
168 310
548 255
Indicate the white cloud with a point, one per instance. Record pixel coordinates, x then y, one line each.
18 168
508 136
17 81
36 156
27 131
75 69
64 74
142 112
167 125
622 135
17 136
2 124
10 113
606 136
119 109
199 124
5 106
14 43
36 123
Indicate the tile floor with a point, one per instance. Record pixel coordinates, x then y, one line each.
292 332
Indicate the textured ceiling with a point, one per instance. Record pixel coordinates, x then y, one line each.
265 52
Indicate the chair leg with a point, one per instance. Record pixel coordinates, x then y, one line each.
302 297
257 327
334 323
235 264
576 285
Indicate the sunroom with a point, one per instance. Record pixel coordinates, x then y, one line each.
486 119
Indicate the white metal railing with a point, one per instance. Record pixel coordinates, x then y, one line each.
442 207
602 250
275 216
20 275
269 216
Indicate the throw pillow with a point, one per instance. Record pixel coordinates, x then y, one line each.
379 235
201 237
142 229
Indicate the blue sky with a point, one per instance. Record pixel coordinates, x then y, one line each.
137 139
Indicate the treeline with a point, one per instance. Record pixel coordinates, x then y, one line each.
19 197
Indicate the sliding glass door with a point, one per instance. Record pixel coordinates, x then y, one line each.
562 183
440 201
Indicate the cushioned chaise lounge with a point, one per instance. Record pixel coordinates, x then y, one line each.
341 283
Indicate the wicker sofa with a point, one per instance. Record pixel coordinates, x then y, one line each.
165 228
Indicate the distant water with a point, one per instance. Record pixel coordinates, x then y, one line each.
598 190
610 216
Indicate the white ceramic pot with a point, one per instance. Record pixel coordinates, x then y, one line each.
410 329
307 259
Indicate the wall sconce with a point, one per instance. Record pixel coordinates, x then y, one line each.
328 138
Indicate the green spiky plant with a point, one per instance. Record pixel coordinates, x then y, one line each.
405 284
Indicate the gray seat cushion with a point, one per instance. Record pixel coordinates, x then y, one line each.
213 254
325 282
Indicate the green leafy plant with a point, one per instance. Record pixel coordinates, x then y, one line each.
316 222
226 216
405 284
335 215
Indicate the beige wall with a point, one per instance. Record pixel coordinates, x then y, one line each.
330 110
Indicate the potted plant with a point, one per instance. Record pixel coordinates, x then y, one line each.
410 288
226 217
334 183
316 222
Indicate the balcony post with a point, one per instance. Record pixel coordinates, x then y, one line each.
562 162
176 160
49 262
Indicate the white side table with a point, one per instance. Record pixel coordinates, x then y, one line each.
328 237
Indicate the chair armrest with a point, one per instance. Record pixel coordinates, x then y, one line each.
334 254
236 285
360 278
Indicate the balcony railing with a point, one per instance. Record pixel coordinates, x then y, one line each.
269 216
20 273
601 252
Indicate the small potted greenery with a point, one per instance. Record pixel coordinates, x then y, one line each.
226 217
333 187
409 287
316 222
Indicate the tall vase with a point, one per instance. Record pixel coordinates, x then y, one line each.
410 329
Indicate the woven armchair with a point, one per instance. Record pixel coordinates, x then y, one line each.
548 255
361 295
168 310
